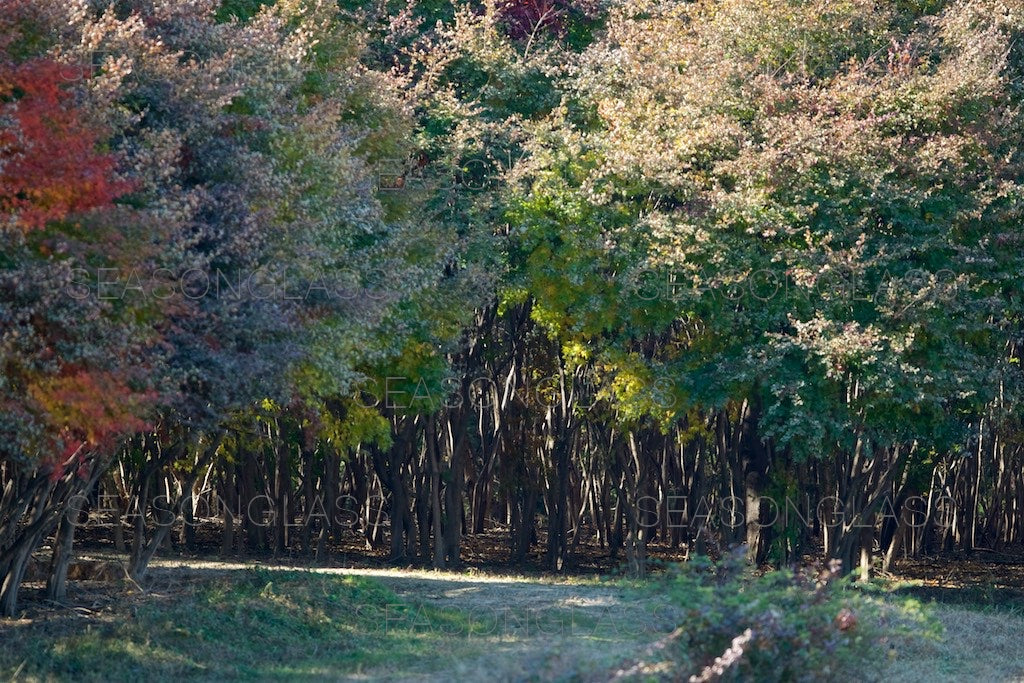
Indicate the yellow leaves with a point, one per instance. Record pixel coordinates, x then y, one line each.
695 426
512 297
637 390
576 353
552 321
361 424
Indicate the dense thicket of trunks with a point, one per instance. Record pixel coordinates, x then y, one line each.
528 447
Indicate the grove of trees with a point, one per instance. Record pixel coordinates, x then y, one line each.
587 271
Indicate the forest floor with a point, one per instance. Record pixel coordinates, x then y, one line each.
200 618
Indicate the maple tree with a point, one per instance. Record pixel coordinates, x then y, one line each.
51 166
237 171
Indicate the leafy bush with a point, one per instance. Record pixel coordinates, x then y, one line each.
781 625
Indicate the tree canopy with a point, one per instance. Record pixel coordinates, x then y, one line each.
428 265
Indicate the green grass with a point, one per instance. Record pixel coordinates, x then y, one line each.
974 645
972 632
272 624
249 624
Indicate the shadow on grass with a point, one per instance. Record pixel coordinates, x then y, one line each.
981 597
250 623
261 623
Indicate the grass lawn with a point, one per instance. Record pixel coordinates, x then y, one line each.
243 624
981 638
272 624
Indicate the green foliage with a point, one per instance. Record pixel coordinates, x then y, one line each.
242 10
817 189
806 207
358 424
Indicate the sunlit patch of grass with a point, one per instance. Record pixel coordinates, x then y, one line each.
973 645
983 597
248 624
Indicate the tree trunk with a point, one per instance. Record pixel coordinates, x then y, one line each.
56 584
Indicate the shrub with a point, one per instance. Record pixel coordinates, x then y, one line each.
780 625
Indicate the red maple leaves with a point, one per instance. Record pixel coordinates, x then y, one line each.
52 168
88 409
49 163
